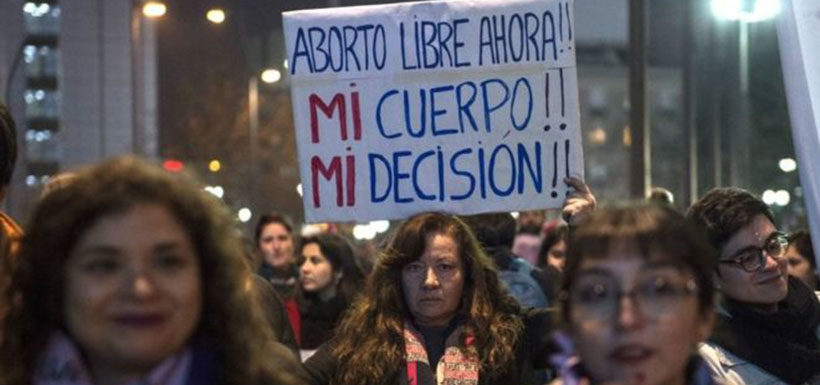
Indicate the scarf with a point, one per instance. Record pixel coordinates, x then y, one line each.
783 343
458 366
62 364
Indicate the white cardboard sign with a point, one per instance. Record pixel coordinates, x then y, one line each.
462 106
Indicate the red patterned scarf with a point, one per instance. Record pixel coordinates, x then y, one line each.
458 366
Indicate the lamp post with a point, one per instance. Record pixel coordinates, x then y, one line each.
744 12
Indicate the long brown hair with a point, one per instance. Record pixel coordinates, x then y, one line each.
370 339
230 325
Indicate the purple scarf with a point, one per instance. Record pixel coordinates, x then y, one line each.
62 364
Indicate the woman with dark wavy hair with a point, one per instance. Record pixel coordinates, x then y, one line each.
434 311
130 275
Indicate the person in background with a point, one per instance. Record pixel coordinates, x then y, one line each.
527 239
636 299
434 311
329 282
768 324
131 275
553 251
800 256
275 242
529 285
660 195
8 157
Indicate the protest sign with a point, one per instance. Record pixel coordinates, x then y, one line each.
798 33
460 106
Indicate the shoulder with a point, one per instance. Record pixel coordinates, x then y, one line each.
727 368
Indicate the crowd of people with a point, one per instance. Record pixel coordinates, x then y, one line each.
128 275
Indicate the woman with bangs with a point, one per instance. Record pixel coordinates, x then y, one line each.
433 311
636 300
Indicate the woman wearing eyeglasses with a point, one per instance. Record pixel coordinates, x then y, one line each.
636 300
768 324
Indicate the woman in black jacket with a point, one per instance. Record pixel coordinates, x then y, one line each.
329 279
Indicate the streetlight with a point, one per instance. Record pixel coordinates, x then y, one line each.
216 15
271 75
154 9
744 12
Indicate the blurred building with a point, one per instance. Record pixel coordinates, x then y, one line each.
80 77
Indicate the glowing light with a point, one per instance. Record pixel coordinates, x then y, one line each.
154 9
244 214
217 191
787 164
782 197
748 11
597 136
173 165
769 197
214 165
271 75
364 232
380 226
216 15
299 189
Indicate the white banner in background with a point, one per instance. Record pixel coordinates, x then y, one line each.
798 31
462 106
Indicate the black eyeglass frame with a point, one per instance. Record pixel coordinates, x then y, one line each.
778 238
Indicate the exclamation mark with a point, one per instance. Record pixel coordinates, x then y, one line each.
547 98
563 98
566 158
569 22
554 193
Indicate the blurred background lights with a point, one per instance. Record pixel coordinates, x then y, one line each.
299 189
244 214
271 75
781 197
216 15
787 164
214 165
380 226
154 9
217 191
364 232
749 11
768 197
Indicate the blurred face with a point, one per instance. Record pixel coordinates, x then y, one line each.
762 288
433 283
799 267
634 320
556 255
132 289
316 271
276 245
531 219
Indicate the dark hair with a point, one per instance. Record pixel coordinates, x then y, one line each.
493 230
656 231
558 234
490 313
267 219
8 137
339 253
801 240
722 212
230 325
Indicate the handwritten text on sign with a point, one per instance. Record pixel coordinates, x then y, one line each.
459 106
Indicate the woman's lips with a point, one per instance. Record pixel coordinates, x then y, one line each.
140 320
631 354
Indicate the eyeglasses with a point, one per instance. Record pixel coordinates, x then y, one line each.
752 258
655 295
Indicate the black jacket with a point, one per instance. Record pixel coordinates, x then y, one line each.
532 352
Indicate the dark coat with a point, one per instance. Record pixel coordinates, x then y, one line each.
532 352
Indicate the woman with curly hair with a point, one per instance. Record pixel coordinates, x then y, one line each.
434 311
130 275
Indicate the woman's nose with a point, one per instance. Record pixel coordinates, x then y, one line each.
430 279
